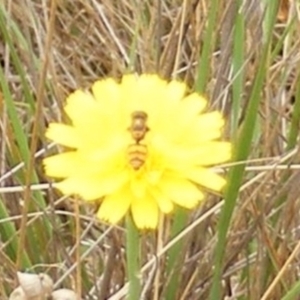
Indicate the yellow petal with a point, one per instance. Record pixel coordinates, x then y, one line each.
92 119
150 89
109 154
142 93
213 153
165 204
64 135
204 128
85 163
130 100
206 178
115 206
180 191
92 188
138 187
107 91
188 109
177 121
145 212
194 103
79 104
167 114
175 91
177 157
62 165
211 120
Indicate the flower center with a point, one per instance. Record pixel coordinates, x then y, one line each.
137 152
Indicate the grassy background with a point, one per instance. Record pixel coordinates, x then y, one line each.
244 56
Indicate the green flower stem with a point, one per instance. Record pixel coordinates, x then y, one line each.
133 259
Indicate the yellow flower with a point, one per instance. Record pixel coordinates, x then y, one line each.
142 145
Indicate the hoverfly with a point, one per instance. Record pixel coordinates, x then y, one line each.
137 152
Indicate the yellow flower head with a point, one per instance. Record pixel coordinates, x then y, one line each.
142 145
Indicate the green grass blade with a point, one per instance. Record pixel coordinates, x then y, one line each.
9 234
293 293
8 37
174 254
242 150
295 123
238 72
208 45
41 229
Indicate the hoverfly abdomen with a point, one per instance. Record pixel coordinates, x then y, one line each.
137 155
